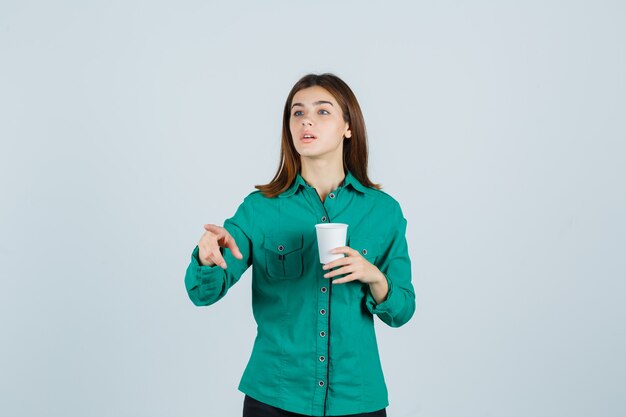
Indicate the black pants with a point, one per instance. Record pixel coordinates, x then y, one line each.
254 408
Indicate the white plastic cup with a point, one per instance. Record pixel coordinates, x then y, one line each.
329 237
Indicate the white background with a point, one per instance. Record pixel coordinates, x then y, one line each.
498 126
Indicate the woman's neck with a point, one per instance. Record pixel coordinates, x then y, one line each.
322 175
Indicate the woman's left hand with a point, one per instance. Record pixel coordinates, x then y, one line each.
355 266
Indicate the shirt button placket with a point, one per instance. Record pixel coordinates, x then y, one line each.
321 357
324 215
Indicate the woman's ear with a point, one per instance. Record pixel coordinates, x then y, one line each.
348 134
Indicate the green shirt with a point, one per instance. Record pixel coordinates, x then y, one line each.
315 352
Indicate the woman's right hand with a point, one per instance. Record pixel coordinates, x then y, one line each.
212 240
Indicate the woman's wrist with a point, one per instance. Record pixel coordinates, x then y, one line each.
379 288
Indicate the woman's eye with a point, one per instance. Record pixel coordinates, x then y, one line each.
298 113
323 111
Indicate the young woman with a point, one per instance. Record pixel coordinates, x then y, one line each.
315 353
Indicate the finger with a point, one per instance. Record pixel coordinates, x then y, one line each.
347 250
213 228
341 249
208 236
230 243
216 256
336 263
213 232
340 271
347 278
208 256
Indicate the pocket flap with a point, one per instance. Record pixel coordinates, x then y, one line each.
283 244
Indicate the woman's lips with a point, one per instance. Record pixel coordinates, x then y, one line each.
308 137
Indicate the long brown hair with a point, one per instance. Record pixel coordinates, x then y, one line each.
354 149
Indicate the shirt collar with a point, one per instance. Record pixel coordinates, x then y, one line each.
299 182
354 183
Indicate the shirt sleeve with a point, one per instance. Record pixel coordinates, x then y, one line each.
399 305
208 284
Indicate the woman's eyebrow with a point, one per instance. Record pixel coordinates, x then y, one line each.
317 103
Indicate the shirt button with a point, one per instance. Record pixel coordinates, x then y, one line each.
321 383
323 334
364 251
324 289
322 359
281 248
322 312
331 195
323 218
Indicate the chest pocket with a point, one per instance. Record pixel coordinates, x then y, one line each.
368 247
283 255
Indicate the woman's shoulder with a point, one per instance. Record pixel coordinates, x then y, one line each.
382 197
257 197
253 197
386 204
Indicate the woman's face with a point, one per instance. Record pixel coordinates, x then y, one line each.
316 124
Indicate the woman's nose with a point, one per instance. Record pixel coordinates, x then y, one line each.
306 122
